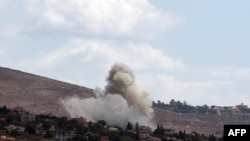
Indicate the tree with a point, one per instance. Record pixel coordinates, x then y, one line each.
80 138
129 126
137 130
30 128
182 135
4 110
159 130
62 122
48 134
46 125
212 138
14 133
154 104
102 122
172 103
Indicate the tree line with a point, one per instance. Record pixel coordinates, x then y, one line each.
183 107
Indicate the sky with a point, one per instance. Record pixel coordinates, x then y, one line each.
193 51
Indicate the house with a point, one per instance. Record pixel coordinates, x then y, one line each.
24 115
169 132
18 110
52 128
81 120
2 132
102 138
234 109
242 105
194 133
13 127
91 136
113 129
2 119
62 135
144 132
145 129
95 136
4 138
131 131
27 117
41 132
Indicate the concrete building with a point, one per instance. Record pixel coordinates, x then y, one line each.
144 132
4 138
102 138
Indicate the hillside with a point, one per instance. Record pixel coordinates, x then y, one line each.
36 94
41 95
202 119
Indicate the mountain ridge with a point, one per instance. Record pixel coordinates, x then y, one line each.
37 94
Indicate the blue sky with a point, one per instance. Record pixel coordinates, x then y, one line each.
194 50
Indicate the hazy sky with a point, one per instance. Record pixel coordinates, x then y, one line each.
197 51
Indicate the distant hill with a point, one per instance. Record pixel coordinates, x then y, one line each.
202 119
37 94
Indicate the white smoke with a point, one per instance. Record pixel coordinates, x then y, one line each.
120 102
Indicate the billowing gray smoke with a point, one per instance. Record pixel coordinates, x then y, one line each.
120 102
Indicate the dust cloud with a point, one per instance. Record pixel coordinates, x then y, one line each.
121 101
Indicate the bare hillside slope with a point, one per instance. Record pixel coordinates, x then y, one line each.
36 94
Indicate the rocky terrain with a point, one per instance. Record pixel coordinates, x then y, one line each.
36 94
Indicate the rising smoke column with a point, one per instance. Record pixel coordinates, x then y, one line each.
120 102
121 81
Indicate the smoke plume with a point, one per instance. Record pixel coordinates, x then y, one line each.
120 102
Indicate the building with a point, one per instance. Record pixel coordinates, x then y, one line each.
144 132
113 129
27 117
95 136
102 138
81 120
18 110
234 109
14 127
4 138
131 131
2 119
61 135
2 132
168 132
24 115
242 105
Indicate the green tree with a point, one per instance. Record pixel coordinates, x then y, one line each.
4 110
129 126
102 122
14 133
46 125
212 138
159 130
30 128
48 134
80 138
137 130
